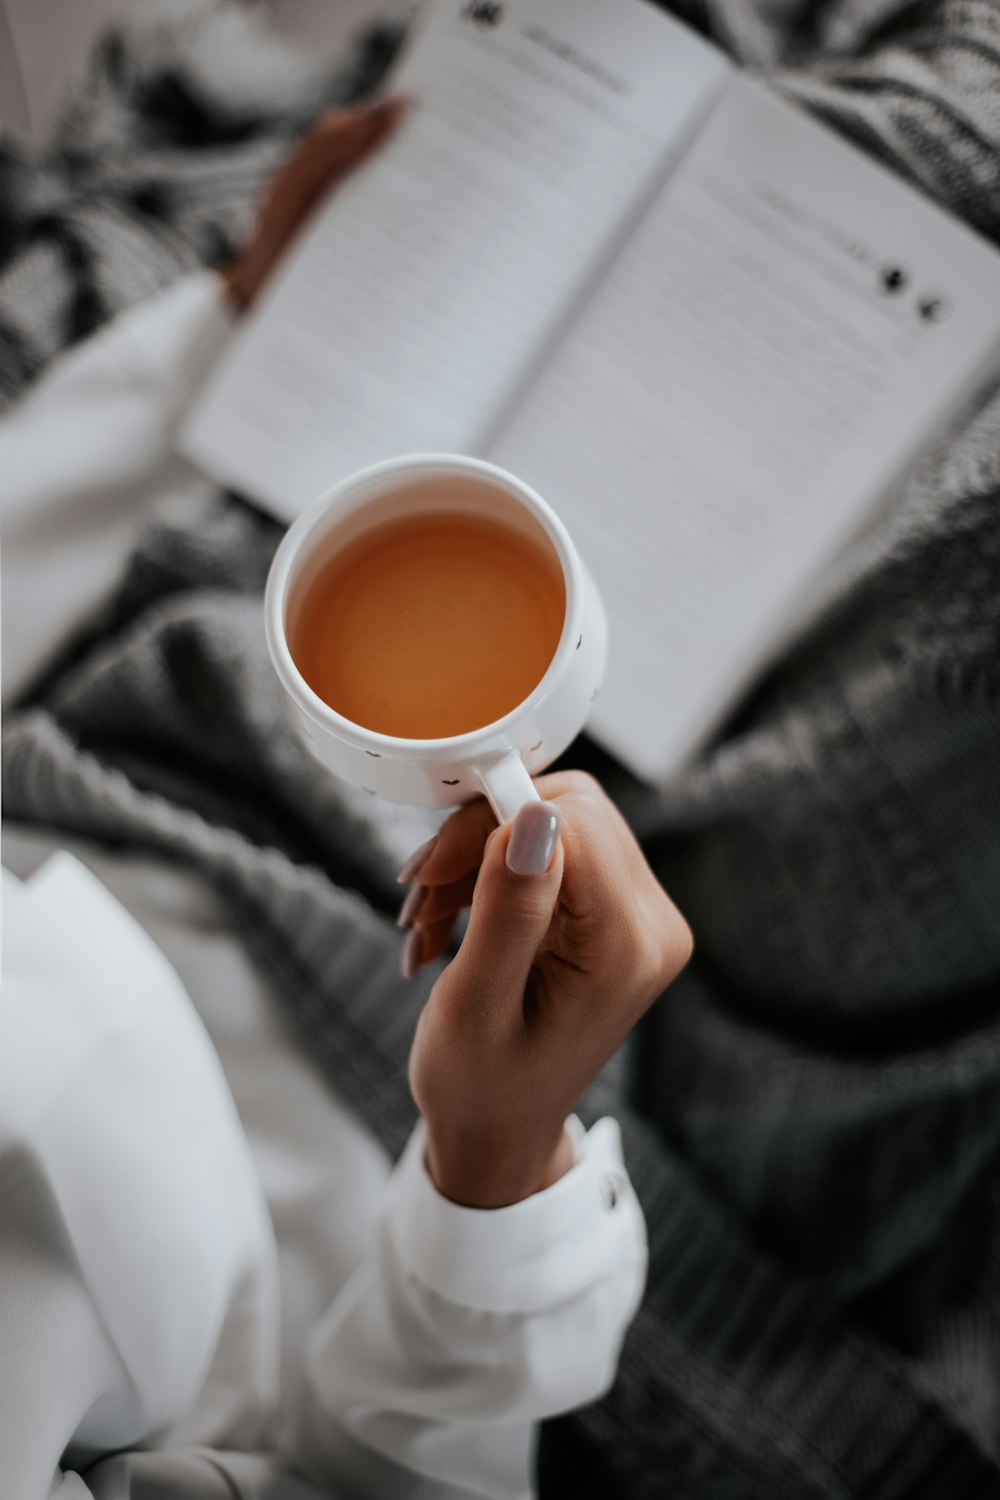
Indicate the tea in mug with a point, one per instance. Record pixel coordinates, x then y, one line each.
432 625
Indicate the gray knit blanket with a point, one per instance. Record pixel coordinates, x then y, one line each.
812 1114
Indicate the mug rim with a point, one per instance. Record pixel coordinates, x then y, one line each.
299 533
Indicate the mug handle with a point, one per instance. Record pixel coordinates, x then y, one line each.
507 785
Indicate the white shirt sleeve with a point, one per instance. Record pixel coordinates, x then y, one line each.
87 457
465 1327
139 1282
133 1229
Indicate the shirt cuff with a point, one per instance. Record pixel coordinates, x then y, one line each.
532 1255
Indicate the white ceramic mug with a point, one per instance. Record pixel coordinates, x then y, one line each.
499 759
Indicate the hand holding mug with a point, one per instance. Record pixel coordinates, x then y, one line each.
570 940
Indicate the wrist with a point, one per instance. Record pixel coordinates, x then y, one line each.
493 1171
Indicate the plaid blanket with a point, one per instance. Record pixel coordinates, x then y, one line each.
812 1114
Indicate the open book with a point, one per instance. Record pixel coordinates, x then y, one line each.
712 334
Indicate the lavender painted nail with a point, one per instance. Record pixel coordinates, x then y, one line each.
415 898
416 861
533 839
411 952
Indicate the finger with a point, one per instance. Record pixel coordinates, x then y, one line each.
341 141
461 839
458 848
604 862
423 945
433 903
515 896
435 937
609 888
345 136
458 845
448 900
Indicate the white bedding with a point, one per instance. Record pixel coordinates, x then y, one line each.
321 1170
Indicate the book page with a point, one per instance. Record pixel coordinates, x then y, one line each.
780 336
428 283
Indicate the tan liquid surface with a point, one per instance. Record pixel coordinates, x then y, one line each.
431 626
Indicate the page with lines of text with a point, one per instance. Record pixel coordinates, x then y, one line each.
779 337
409 314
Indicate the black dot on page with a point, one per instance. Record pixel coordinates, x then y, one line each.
932 309
375 754
579 642
892 279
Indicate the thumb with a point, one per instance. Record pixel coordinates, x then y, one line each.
516 893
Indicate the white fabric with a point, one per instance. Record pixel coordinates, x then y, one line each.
142 1295
322 1172
136 1190
86 460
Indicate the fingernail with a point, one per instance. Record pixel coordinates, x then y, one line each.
415 898
416 862
533 839
411 952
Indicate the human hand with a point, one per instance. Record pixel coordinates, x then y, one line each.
341 141
570 939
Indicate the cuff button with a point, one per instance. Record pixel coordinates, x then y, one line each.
612 1188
